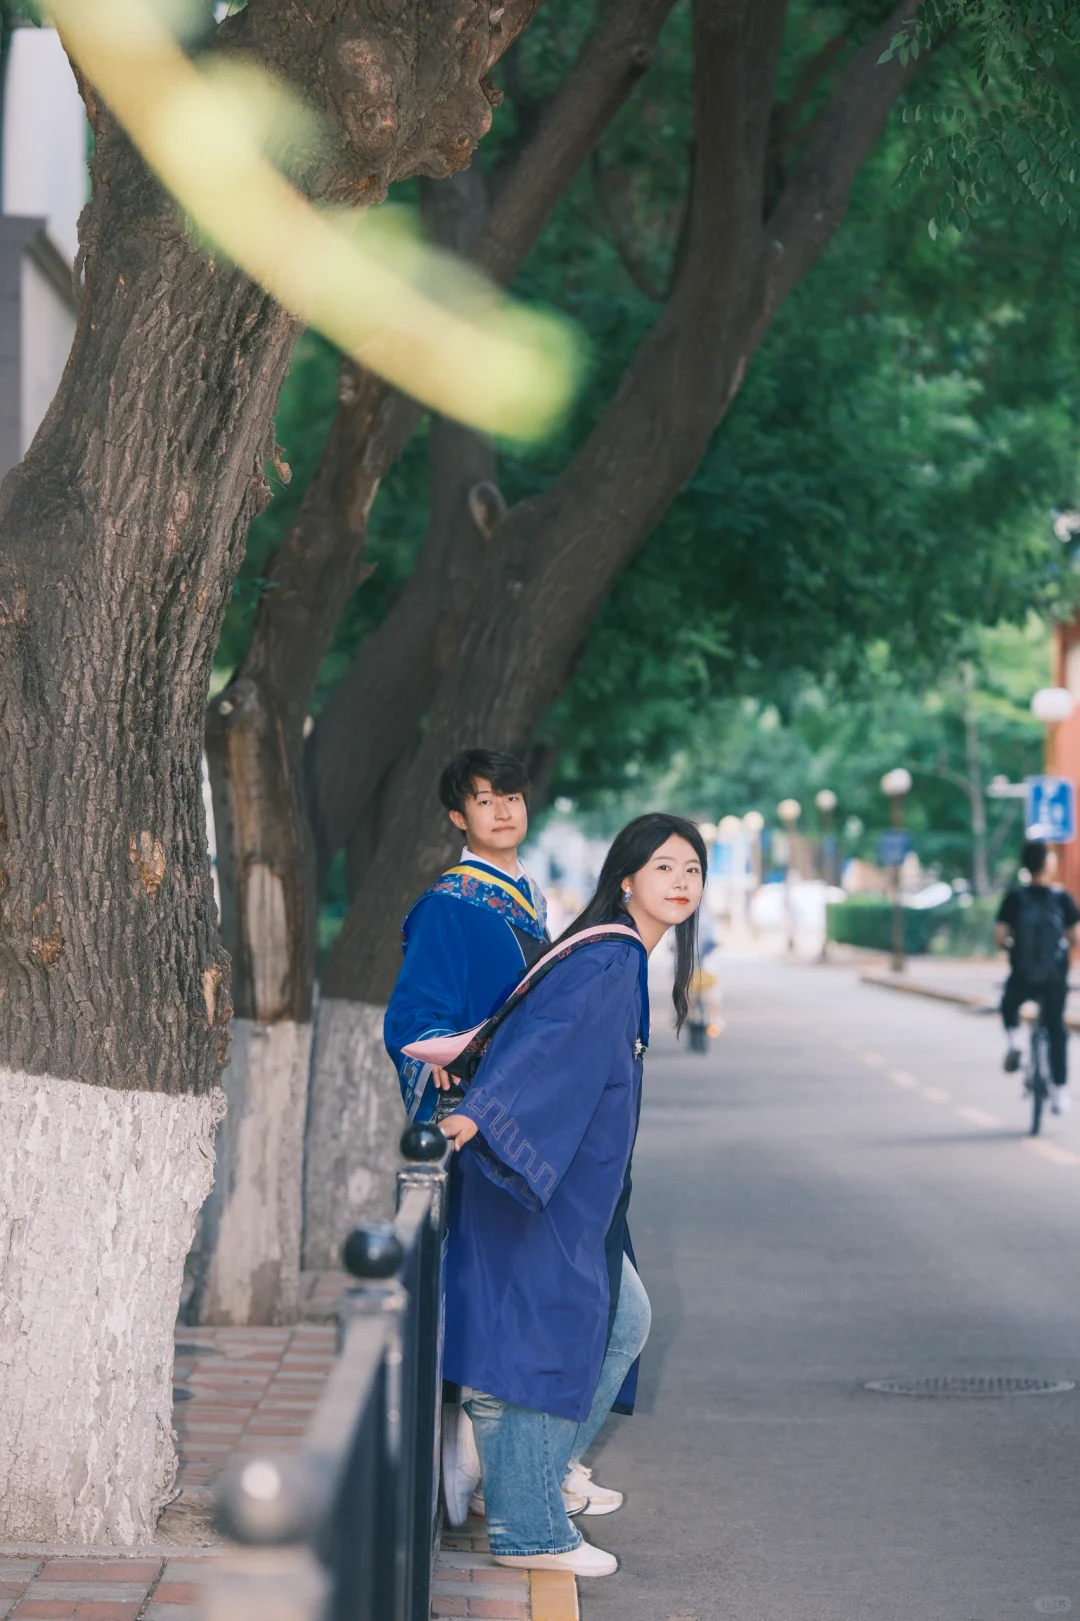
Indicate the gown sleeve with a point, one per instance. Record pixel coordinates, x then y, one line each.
431 993
539 1083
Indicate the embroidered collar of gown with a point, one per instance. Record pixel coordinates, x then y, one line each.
478 883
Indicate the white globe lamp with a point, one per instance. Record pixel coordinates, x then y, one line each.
895 783
1052 705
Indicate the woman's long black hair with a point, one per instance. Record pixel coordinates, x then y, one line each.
632 848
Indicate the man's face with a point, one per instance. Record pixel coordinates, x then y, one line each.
492 821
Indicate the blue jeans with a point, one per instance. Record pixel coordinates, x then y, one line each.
524 1455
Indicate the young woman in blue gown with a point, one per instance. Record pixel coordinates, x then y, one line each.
545 1312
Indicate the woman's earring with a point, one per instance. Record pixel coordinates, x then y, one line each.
627 896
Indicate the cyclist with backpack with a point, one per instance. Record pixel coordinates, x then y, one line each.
1037 921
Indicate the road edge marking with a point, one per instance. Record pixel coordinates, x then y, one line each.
1051 1151
553 1596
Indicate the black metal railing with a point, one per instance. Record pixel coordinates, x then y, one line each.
363 1492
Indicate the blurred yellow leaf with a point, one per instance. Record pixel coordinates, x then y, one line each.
409 312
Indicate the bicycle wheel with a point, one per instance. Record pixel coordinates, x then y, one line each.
1039 1072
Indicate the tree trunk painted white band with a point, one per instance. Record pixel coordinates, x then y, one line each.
250 1241
99 1191
355 1121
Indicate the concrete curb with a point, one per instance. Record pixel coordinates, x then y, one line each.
973 1004
911 987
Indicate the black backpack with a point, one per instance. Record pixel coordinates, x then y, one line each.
1040 950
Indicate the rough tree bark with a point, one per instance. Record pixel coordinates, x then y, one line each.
554 558
120 535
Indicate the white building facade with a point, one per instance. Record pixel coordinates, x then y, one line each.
44 184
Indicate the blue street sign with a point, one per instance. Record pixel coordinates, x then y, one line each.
893 846
1051 809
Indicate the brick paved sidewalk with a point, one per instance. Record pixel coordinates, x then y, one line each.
241 1391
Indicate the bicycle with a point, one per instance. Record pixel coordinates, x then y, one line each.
1037 1076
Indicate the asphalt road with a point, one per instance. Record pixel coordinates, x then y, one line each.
841 1191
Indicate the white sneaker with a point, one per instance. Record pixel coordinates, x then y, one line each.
598 1499
460 1463
1060 1101
584 1560
572 1503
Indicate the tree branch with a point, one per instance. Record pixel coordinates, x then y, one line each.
808 81
815 199
621 241
606 72
509 20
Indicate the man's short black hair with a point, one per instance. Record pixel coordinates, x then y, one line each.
1033 856
505 773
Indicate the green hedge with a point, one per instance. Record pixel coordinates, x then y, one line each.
951 930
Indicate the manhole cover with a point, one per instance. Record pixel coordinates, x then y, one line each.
966 1385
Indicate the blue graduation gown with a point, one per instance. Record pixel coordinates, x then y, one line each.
556 1100
467 942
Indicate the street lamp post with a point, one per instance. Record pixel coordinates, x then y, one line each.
1052 705
730 832
896 785
789 811
753 825
825 800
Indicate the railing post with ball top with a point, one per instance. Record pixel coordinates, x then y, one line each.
423 1189
363 1531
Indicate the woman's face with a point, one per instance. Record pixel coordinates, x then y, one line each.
667 889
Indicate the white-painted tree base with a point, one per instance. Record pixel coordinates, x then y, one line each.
355 1121
99 1191
250 1236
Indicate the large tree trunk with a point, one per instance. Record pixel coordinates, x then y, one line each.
555 558
248 1262
354 1127
122 530
121 534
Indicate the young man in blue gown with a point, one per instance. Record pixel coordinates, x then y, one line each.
471 936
